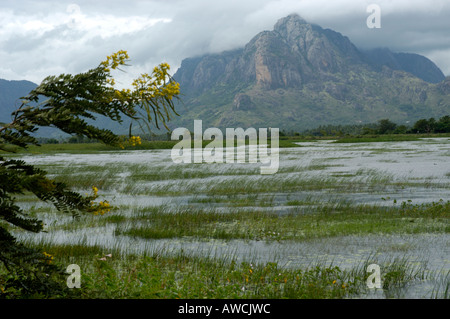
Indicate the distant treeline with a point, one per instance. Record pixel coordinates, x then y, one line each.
384 126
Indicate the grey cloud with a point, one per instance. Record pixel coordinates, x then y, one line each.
199 27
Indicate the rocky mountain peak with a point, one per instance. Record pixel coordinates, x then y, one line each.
300 74
292 24
295 31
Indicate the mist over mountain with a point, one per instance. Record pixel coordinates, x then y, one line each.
299 76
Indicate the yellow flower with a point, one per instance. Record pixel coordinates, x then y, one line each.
103 208
135 140
49 257
114 60
165 66
95 191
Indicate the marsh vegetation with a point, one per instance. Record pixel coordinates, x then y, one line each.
225 231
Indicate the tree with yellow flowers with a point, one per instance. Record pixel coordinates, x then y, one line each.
64 102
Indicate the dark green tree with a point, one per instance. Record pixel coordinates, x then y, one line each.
401 129
385 126
65 102
422 126
443 125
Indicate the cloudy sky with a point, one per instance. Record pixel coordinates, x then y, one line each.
50 37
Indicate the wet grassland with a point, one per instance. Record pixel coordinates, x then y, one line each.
226 231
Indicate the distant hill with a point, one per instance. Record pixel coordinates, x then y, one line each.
12 91
415 64
299 76
10 94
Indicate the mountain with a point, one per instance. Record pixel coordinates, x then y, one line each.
10 94
299 76
12 91
415 64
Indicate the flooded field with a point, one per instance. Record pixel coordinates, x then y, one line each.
334 204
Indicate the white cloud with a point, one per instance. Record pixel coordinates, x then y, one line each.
40 38
441 58
107 26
